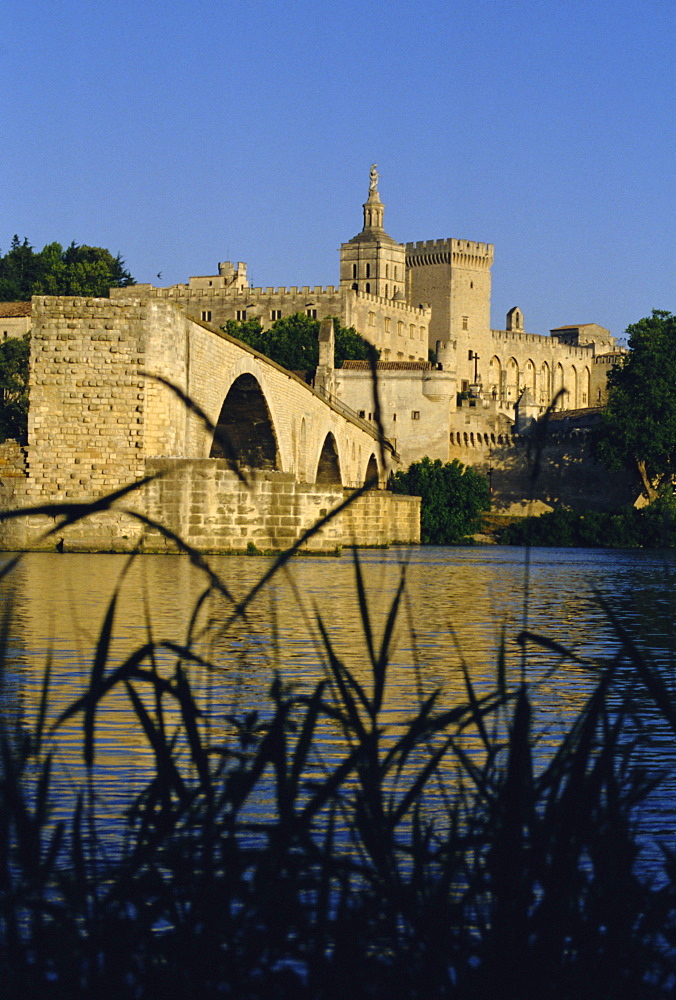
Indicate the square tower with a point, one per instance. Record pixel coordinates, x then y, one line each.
454 278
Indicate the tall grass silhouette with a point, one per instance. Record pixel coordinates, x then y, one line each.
438 858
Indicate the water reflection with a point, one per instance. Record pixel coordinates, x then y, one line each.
458 603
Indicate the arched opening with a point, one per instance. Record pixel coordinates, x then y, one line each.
372 471
545 386
244 431
573 398
585 394
328 468
512 380
559 384
529 377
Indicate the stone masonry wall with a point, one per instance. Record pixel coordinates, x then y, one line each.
569 476
85 422
205 504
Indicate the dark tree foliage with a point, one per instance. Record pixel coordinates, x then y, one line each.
652 527
77 270
293 341
639 421
14 354
452 498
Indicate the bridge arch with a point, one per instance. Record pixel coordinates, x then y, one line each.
372 472
328 466
245 421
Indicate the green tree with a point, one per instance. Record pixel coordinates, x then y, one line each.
639 420
453 496
14 354
77 270
293 341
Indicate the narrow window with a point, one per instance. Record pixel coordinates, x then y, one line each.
372 319
368 270
206 315
275 314
415 414
354 271
241 315
368 288
465 320
312 313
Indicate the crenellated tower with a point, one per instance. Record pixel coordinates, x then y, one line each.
372 262
454 278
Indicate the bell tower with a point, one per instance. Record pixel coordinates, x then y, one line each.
372 262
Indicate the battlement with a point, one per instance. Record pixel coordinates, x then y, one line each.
541 340
420 312
238 293
463 253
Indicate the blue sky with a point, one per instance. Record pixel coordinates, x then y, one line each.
187 133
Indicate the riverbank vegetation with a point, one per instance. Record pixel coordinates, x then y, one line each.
452 498
651 527
639 419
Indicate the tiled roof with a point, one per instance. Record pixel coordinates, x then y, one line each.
390 366
8 309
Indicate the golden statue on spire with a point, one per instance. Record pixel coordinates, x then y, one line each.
373 181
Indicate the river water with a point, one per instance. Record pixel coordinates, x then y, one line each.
458 604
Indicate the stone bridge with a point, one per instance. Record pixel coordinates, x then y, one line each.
101 416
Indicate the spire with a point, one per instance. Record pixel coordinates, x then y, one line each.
374 209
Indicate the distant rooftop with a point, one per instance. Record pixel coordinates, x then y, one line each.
11 309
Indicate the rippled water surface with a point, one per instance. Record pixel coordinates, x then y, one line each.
458 603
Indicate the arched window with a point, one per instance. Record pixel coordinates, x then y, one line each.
368 270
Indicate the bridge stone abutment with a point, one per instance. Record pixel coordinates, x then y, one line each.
102 416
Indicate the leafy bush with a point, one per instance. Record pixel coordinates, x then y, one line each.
77 270
649 527
453 496
293 341
14 355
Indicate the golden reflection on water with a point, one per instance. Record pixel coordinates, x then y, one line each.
457 604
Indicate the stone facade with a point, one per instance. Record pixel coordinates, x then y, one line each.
414 301
102 416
